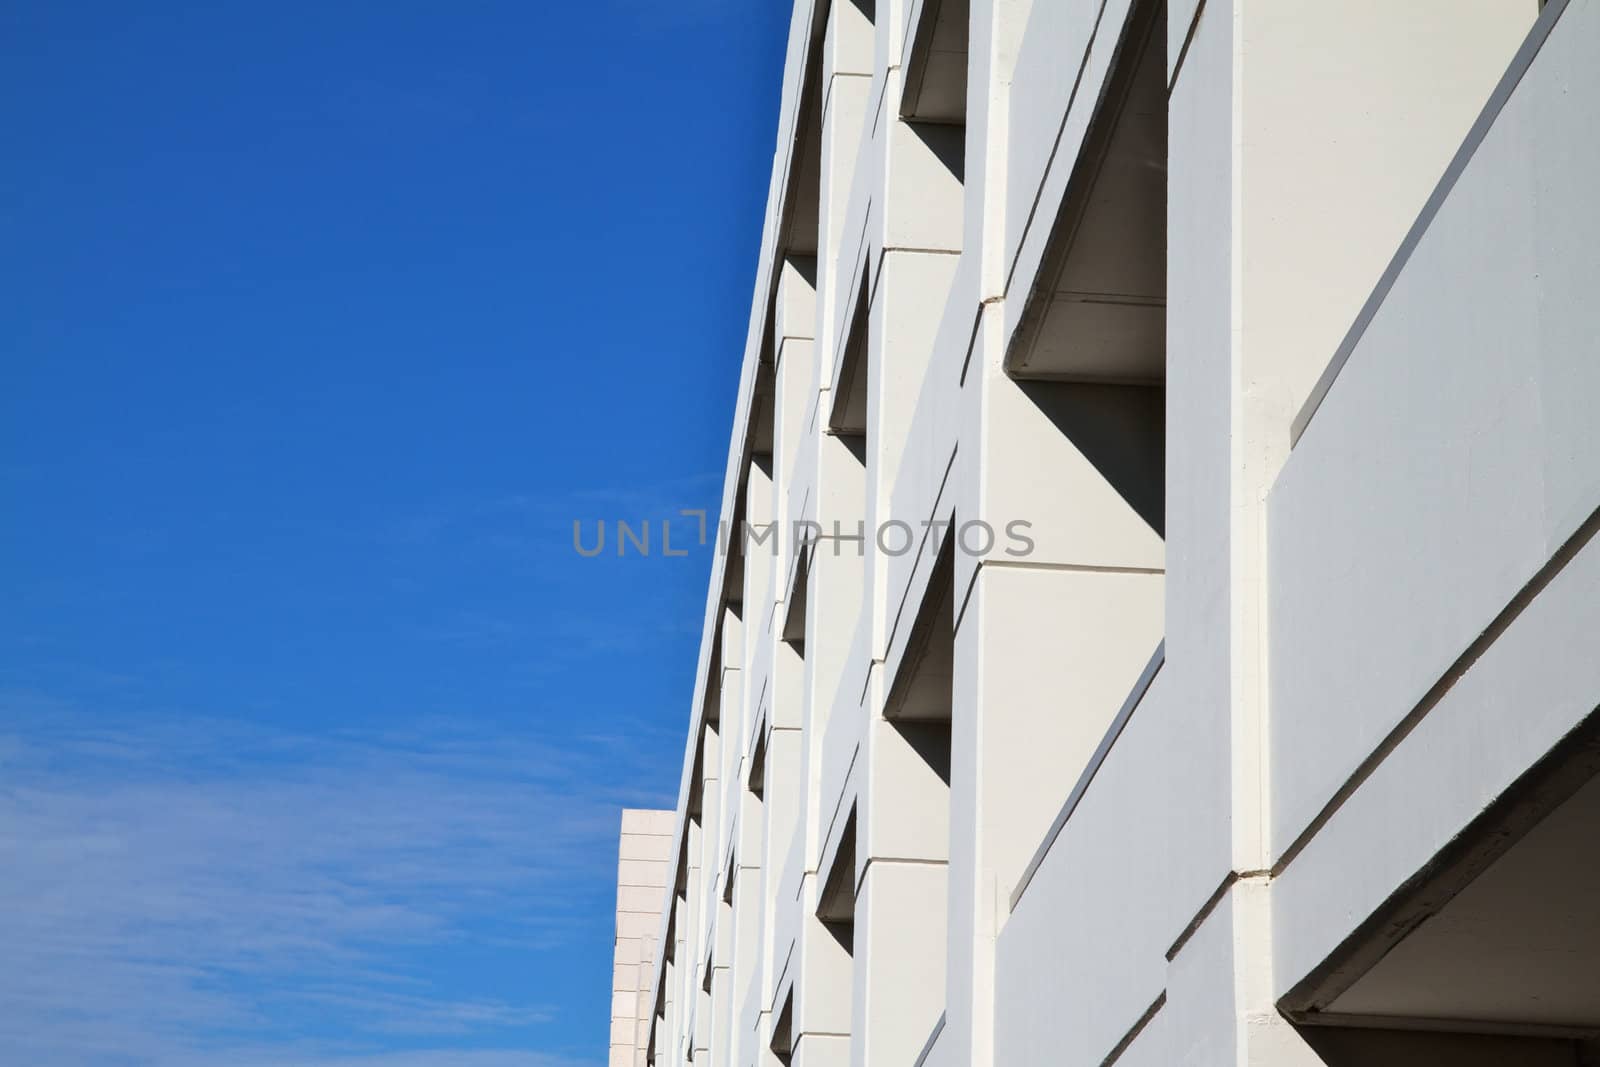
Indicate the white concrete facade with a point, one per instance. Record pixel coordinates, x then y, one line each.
1175 637
644 870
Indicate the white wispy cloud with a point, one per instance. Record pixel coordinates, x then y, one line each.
183 891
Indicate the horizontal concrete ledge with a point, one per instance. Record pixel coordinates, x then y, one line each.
933 1039
1537 35
1103 750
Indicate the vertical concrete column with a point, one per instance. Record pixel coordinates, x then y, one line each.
759 548
711 818
723 949
759 559
835 580
795 317
902 850
1344 129
733 727
834 583
1060 565
710 869
921 242
687 952
823 992
846 89
899 960
781 808
1076 614
1339 131
743 845
745 976
734 715
902 843
704 1025
793 323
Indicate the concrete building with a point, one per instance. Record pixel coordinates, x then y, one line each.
643 872
1180 638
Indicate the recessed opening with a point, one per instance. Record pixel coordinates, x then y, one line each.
752 512
933 108
848 411
762 412
1090 350
836 904
782 1041
789 665
803 199
1097 312
921 689
794 619
1497 938
936 74
758 768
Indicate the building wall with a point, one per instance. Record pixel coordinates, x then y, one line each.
644 870
1174 425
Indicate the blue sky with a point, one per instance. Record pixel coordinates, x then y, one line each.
322 323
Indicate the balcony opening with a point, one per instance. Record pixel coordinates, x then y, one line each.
847 414
758 770
836 904
918 707
789 669
931 144
1489 955
935 89
796 606
782 1040
846 445
745 574
1090 350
